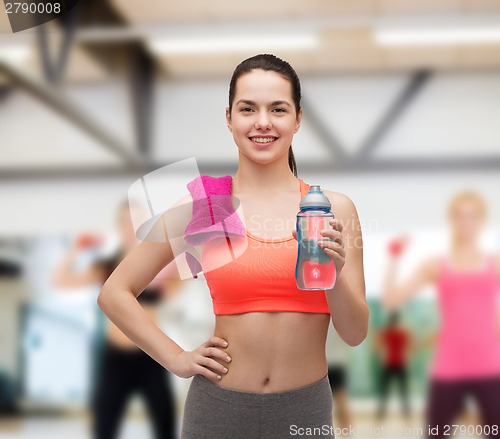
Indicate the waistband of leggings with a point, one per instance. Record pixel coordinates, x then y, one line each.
209 387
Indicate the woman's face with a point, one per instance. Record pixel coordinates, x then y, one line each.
263 118
467 220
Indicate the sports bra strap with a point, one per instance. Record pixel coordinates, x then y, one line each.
304 188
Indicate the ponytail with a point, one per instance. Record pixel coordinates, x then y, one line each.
291 161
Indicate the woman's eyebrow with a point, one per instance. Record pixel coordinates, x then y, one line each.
246 102
273 104
276 103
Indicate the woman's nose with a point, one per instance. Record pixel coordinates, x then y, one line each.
263 121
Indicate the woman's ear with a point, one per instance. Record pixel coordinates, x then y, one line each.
298 121
228 119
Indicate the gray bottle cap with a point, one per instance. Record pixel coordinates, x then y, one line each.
315 198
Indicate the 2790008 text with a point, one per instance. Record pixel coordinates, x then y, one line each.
479 430
33 8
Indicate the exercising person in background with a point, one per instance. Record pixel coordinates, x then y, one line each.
467 358
120 368
394 342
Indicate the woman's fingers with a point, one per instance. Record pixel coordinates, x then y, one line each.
212 364
215 341
336 224
210 357
333 235
333 246
217 353
207 373
334 254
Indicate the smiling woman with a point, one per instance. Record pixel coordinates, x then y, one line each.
265 108
264 370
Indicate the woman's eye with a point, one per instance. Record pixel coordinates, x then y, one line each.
246 110
279 110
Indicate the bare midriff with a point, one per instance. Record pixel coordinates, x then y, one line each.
273 352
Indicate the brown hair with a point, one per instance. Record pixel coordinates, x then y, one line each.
272 63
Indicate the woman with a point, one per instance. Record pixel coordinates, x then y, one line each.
467 359
264 373
120 369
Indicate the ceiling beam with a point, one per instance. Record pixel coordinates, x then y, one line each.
393 113
141 81
54 99
327 136
127 58
54 65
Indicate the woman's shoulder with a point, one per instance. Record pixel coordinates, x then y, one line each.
432 265
340 202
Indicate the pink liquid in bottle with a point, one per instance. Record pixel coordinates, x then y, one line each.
314 270
317 276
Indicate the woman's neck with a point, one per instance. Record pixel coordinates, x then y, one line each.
271 177
464 249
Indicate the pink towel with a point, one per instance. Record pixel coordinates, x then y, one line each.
194 264
213 213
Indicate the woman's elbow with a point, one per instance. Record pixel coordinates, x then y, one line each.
357 338
110 296
103 299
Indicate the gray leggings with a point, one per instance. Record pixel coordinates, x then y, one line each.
213 412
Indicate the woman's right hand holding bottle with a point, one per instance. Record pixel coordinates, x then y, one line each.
209 360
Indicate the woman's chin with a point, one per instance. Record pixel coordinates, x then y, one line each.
264 156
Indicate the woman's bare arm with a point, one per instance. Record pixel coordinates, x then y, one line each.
347 299
65 276
393 295
118 301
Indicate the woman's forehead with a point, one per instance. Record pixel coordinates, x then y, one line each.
263 85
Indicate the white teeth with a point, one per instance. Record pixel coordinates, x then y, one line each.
263 139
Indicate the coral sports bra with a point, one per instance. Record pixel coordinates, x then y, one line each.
261 278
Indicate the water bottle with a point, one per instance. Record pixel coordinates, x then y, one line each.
315 270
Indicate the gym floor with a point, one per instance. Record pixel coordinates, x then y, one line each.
136 426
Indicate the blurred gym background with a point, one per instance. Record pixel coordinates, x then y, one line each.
401 103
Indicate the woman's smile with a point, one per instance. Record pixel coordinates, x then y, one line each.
263 142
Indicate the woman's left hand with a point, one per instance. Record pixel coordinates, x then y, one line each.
335 246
